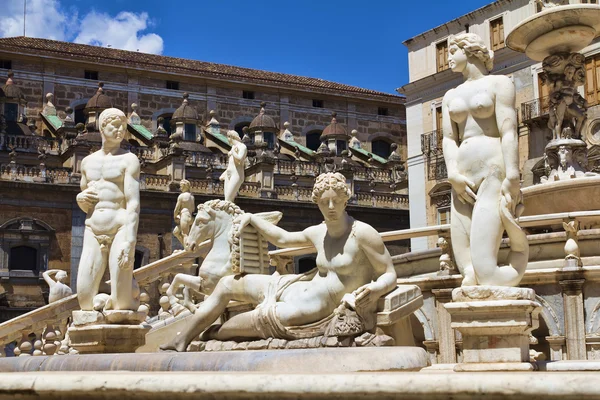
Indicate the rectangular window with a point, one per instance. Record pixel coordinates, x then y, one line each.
589 1
442 56
173 85
438 129
11 112
340 146
269 138
5 64
248 94
190 132
382 111
592 80
318 103
92 75
443 216
497 34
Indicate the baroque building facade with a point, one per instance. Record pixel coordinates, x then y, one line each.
178 114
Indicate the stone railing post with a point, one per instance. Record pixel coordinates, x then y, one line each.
447 345
574 318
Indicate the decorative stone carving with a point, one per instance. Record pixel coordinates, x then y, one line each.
555 36
233 177
481 153
183 212
446 262
215 221
58 286
303 306
572 255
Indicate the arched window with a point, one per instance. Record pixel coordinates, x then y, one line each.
167 122
79 115
239 128
306 264
313 140
381 148
22 258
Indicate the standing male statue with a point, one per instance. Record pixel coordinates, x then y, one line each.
183 212
111 199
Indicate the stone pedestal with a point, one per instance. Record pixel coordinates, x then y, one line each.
495 323
114 331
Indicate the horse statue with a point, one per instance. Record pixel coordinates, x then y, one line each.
215 220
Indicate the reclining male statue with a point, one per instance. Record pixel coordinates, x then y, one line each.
354 269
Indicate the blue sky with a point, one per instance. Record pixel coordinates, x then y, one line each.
353 42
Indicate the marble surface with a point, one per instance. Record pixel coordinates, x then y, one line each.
481 153
340 294
347 386
110 197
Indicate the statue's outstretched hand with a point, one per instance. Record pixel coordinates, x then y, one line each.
365 295
243 220
463 188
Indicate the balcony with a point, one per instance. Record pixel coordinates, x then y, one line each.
431 143
535 109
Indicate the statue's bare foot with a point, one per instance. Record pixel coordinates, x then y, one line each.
173 345
469 277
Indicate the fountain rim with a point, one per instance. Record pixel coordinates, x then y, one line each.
552 19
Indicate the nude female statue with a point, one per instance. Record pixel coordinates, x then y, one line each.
183 212
481 152
58 286
233 177
111 199
350 254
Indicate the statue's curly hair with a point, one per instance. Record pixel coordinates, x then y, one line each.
109 115
474 46
330 180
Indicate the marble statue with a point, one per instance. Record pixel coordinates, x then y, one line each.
214 221
58 285
110 198
480 146
183 212
233 177
350 254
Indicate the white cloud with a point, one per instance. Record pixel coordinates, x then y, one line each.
120 32
45 18
48 19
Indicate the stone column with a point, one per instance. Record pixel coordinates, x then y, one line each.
557 343
447 345
574 318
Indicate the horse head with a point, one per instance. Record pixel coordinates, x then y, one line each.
211 221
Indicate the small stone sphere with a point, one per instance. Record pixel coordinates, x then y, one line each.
144 308
164 287
164 303
144 297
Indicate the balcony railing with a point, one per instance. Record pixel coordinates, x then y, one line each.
535 109
431 143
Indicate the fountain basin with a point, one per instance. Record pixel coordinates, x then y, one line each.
578 194
567 29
